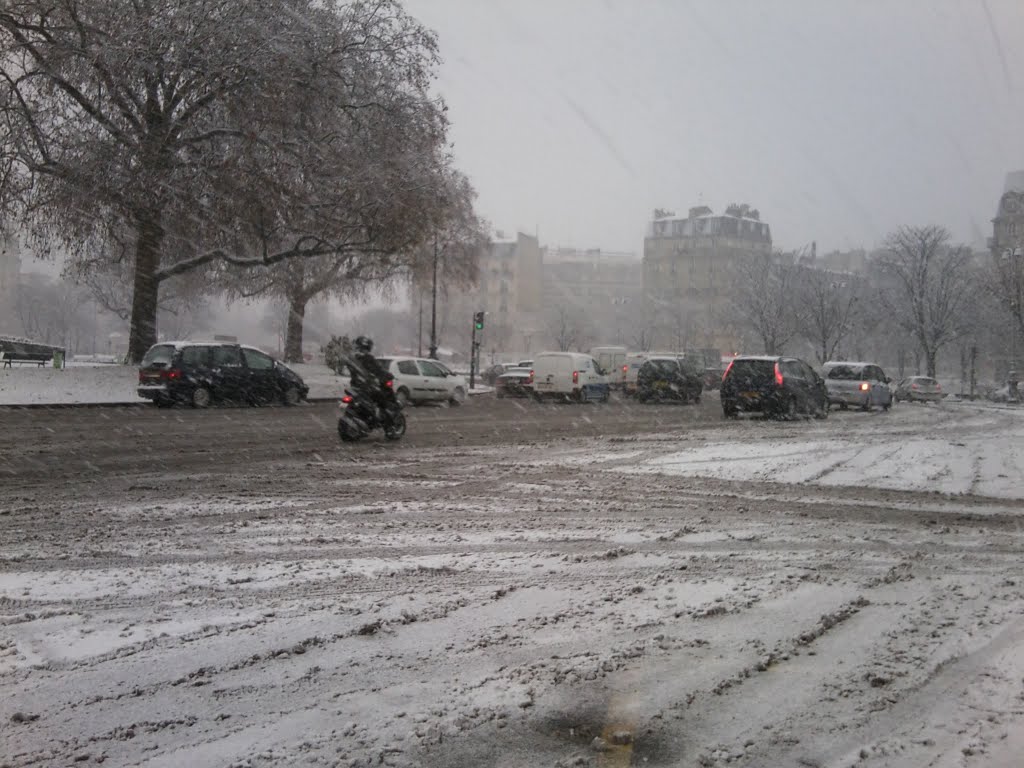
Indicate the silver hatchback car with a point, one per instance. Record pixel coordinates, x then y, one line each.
861 385
919 389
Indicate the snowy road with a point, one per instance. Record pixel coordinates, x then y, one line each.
834 593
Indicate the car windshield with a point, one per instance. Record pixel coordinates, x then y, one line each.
759 503
845 372
663 367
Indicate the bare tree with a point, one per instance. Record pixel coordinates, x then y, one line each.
927 286
642 328
565 328
447 227
828 304
54 311
175 136
763 295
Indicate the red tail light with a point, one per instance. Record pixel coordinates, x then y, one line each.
142 378
390 383
914 385
778 376
938 387
727 369
625 369
530 379
347 399
575 377
864 386
174 373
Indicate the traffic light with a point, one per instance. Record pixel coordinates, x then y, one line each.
478 321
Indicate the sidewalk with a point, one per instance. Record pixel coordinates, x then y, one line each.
98 384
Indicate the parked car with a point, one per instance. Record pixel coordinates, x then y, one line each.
776 386
631 368
418 380
515 382
490 375
571 375
202 373
668 378
863 385
919 389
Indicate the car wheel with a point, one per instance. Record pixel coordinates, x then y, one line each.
792 410
887 406
582 397
822 411
458 396
163 402
844 407
291 396
402 396
201 397
500 395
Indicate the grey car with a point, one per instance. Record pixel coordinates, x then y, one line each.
919 389
861 385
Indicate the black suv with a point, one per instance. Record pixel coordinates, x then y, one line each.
776 386
201 373
668 378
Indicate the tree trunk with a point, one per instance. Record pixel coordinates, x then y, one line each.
293 335
929 361
146 288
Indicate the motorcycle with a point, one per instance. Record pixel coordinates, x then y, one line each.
360 415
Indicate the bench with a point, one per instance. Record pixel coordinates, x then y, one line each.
28 358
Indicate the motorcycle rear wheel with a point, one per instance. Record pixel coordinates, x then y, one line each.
396 428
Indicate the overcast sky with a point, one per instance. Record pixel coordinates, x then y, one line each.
839 120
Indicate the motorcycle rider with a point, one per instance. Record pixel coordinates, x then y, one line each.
369 377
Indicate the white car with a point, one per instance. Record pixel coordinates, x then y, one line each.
418 380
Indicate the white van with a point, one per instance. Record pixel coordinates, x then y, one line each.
569 375
613 362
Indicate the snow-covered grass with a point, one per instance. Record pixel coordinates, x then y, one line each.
950 448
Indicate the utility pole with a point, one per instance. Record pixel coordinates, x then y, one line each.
433 308
419 335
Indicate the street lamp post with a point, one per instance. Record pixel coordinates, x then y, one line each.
433 308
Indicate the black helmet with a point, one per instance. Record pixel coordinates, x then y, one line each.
363 344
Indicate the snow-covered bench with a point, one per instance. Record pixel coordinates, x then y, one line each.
9 358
